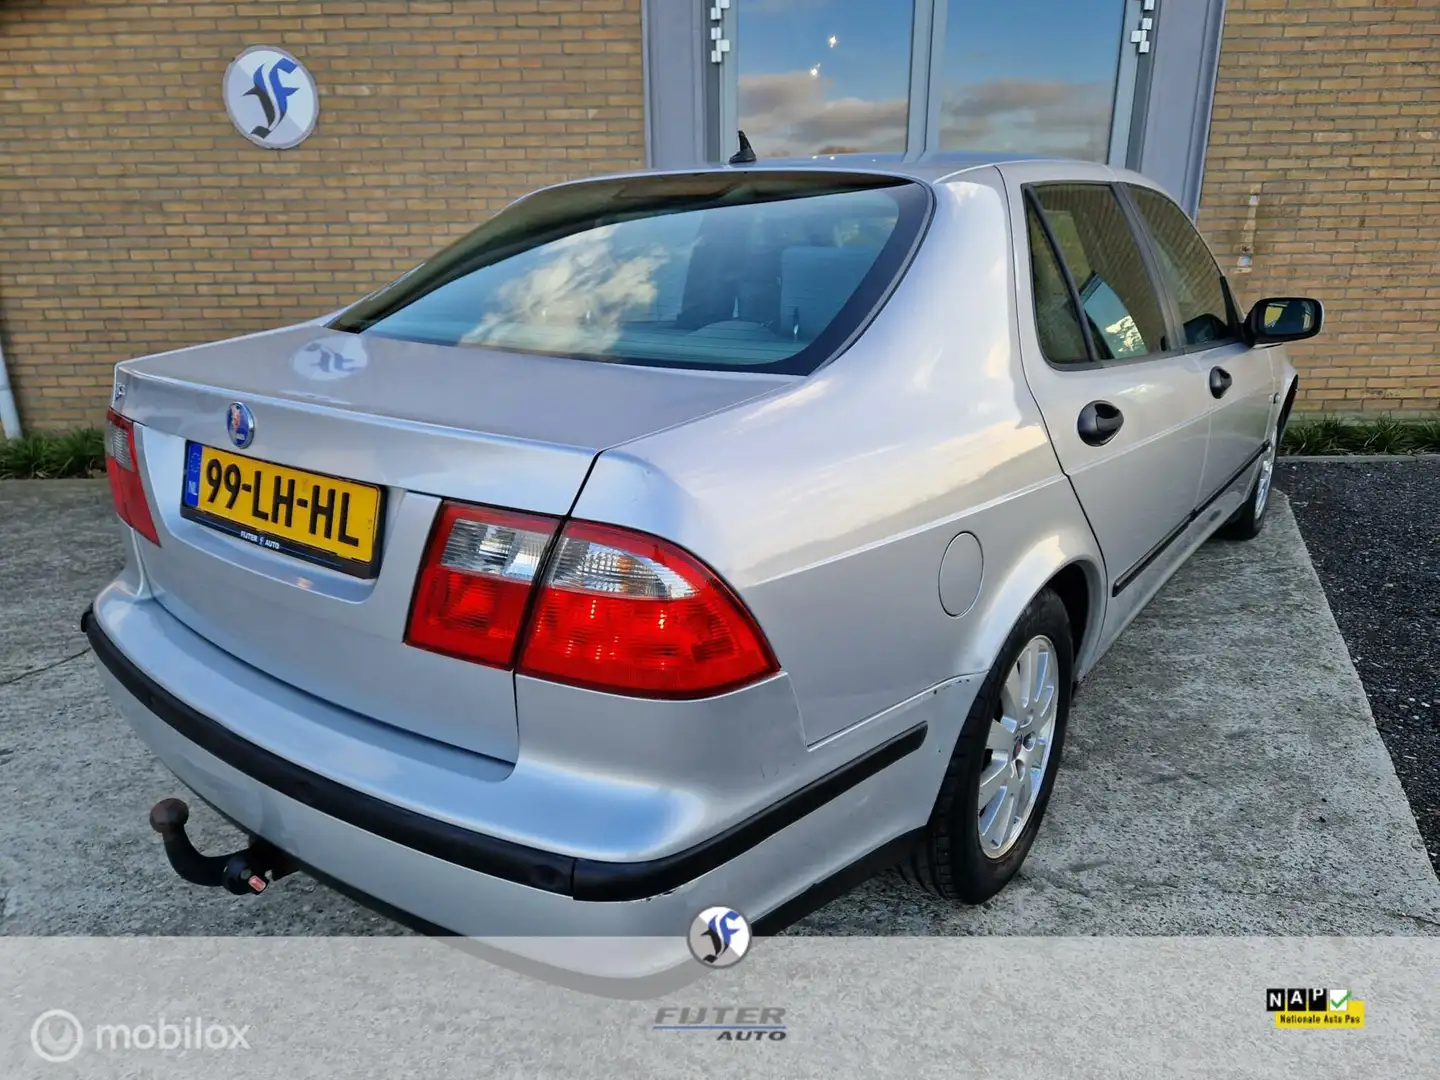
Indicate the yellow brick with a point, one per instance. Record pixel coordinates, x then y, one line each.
1348 214
158 225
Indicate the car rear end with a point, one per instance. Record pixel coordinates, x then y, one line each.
357 618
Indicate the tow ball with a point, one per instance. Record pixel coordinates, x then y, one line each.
246 872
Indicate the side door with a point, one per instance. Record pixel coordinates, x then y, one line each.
1239 379
1126 410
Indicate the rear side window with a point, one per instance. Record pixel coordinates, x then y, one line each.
1188 267
1056 322
752 271
1098 247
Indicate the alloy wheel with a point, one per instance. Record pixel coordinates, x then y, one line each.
1017 747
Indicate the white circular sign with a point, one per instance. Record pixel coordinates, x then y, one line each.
271 98
719 937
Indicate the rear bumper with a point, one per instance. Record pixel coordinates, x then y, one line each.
479 885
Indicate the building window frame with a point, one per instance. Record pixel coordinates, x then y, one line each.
1159 122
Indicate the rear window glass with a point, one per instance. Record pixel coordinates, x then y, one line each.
723 272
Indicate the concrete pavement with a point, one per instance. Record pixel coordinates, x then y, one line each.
1223 774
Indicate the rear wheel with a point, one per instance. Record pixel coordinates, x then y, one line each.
1000 776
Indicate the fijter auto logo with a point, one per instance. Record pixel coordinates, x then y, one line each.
719 937
1315 1008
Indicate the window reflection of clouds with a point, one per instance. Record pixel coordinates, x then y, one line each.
577 296
1048 89
824 76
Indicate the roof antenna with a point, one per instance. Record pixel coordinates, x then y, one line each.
746 154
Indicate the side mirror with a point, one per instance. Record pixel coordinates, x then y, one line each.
1283 318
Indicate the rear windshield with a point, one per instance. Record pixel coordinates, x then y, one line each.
766 272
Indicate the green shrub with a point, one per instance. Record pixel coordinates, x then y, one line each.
53 456
1330 435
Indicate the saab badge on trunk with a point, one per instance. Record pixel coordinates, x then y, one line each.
240 423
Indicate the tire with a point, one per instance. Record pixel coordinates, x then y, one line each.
950 861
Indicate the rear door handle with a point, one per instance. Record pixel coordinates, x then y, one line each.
1220 381
1098 423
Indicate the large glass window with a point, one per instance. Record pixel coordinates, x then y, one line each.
1104 260
1188 267
824 76
1030 76
760 271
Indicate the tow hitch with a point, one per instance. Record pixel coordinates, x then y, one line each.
246 872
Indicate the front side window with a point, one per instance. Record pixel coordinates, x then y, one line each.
759 272
1104 260
1188 267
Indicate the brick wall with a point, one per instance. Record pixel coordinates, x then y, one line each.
135 218
1328 111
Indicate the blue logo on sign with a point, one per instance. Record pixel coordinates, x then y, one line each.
274 98
723 928
240 423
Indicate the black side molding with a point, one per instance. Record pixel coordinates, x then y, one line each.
1125 580
583 879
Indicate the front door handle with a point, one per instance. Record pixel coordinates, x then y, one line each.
1220 381
1099 421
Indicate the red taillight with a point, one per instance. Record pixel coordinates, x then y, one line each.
630 613
476 581
617 610
122 466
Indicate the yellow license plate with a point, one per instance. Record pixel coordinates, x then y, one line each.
310 516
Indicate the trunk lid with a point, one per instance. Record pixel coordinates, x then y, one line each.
419 422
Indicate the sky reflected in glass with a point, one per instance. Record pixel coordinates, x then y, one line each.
824 76
1030 76
833 76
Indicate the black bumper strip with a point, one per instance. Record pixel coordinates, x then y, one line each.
1128 578
583 879
630 881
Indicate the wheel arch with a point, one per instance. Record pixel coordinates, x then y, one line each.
1067 561
1284 417
1080 586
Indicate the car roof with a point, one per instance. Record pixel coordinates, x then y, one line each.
930 168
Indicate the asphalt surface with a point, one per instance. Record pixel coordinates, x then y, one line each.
1222 774
1373 530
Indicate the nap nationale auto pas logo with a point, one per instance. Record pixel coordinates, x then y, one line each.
1314 1007
719 937
271 98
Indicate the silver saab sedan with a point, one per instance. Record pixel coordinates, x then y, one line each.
681 539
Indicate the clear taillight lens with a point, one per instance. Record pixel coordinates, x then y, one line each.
475 582
122 467
632 614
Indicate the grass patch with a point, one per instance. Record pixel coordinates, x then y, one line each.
53 457
1329 435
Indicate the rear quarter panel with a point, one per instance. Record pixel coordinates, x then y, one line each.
829 504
